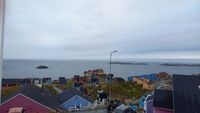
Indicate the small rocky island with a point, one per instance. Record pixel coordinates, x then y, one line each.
42 67
128 63
176 64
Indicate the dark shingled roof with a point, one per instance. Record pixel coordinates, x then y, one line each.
12 81
66 95
163 99
186 93
36 94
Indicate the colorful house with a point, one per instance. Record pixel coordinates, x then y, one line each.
74 98
163 75
130 78
148 104
151 77
94 80
46 80
80 81
30 99
141 102
146 83
62 80
12 82
97 72
102 95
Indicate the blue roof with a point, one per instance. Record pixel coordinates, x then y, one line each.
152 77
130 78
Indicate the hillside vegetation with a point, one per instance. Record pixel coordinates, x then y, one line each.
119 90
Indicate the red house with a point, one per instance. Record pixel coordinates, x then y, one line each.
30 99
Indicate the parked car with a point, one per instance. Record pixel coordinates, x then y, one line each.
73 109
112 105
133 106
123 109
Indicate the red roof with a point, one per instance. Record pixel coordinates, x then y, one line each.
26 103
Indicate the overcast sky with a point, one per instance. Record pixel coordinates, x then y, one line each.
85 29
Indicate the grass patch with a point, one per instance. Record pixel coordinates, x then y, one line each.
120 90
9 90
65 86
51 89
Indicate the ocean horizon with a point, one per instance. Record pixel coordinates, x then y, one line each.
21 68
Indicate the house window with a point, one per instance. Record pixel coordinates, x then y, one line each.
16 110
199 87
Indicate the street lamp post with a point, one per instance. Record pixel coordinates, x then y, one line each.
110 77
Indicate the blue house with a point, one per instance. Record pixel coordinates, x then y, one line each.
130 78
151 77
46 80
74 98
94 80
62 80
141 102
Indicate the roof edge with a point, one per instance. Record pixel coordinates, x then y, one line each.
20 94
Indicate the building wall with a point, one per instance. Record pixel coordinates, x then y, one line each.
141 104
76 100
159 110
149 105
2 7
21 101
144 82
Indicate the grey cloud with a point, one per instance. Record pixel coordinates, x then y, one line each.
62 29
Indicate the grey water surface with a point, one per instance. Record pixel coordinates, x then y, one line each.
68 68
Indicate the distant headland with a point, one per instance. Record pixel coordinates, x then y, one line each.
177 64
128 63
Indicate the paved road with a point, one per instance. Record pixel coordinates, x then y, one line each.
161 84
58 90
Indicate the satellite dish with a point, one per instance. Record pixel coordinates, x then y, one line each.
37 82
